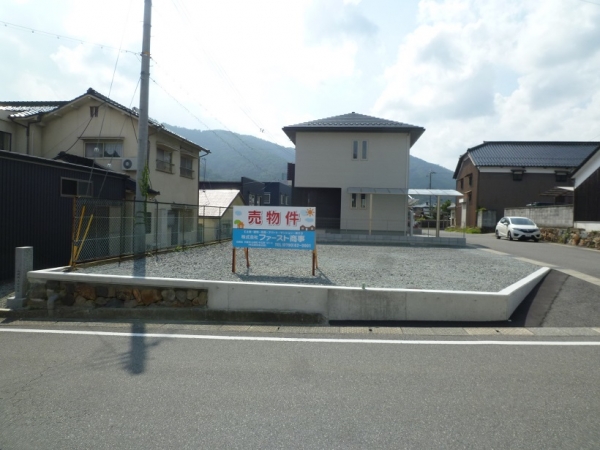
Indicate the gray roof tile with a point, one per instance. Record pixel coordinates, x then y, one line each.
532 154
354 122
26 109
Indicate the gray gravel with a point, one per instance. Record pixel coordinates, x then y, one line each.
339 265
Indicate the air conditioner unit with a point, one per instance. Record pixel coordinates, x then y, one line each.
129 163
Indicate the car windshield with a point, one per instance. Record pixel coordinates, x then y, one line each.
521 221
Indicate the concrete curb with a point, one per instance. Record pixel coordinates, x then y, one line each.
308 329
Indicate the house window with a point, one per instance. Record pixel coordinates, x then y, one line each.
354 203
561 177
251 199
469 197
164 160
470 177
281 199
94 111
148 222
5 140
363 153
287 200
186 169
267 198
517 175
103 149
462 183
75 188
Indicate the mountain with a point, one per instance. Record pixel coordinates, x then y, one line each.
236 155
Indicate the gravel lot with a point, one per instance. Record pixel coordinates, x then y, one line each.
339 265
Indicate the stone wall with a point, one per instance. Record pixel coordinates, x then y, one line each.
83 295
572 236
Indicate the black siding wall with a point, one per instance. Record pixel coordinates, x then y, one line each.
587 199
32 212
326 200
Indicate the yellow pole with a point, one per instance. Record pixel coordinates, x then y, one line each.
84 236
74 251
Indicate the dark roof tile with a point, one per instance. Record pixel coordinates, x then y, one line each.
531 154
355 122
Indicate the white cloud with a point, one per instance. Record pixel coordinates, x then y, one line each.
467 70
446 76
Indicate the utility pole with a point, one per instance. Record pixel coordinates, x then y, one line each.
431 172
139 238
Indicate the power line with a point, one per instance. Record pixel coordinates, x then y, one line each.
216 134
244 107
60 36
237 136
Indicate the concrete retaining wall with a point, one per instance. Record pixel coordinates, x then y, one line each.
559 216
332 303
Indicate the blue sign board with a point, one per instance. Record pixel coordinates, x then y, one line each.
280 239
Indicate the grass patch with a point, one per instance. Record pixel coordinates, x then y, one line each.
468 230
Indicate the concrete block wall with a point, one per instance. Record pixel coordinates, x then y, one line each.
557 216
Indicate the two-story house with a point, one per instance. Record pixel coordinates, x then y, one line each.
354 169
499 174
98 129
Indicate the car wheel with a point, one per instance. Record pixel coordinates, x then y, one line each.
497 235
509 236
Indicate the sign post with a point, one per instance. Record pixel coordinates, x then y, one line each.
283 228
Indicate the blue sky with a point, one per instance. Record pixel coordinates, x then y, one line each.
466 70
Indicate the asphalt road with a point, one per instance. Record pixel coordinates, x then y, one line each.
106 391
581 259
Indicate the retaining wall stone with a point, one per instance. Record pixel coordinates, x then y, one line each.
572 236
89 296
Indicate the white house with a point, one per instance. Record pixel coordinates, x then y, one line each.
354 169
215 212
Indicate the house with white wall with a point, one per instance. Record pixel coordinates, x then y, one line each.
215 212
354 169
94 127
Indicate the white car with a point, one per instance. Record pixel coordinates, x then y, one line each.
520 228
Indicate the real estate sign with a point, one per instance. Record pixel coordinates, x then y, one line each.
288 228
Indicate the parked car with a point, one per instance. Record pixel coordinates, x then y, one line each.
520 228
540 204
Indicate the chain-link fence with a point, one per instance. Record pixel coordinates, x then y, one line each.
105 228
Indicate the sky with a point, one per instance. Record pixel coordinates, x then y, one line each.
466 70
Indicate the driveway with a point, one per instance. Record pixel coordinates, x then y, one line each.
568 297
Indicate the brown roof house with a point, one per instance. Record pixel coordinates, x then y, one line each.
500 174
